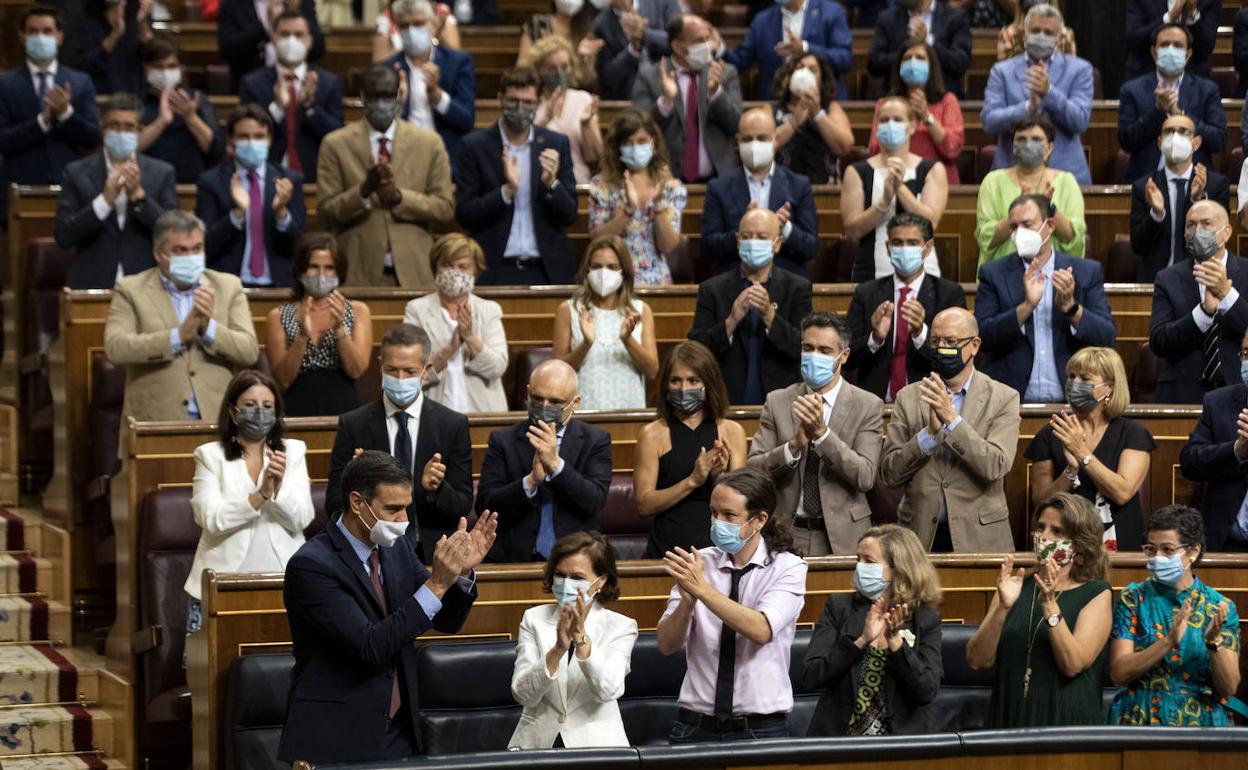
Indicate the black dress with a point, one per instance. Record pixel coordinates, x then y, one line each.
806 153
864 263
688 522
322 388
1121 433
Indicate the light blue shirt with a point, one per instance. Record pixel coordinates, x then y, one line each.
183 303
522 240
242 223
1045 385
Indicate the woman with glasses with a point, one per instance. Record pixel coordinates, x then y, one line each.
1093 451
1175 648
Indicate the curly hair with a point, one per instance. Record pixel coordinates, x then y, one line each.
627 123
1184 520
827 79
1083 526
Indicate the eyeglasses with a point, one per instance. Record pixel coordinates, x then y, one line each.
1167 551
950 342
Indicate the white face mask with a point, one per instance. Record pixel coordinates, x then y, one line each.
291 51
160 79
757 155
1027 242
698 56
384 534
570 7
1177 148
803 81
605 281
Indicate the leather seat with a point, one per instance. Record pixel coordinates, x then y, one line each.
516 379
621 522
255 703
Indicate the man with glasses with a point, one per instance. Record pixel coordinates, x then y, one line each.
949 445
1160 199
515 193
547 475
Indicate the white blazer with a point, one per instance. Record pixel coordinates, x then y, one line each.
579 701
483 373
219 502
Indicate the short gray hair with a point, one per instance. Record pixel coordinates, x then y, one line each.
411 6
175 221
1045 10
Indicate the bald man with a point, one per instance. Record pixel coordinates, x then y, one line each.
759 183
547 475
749 316
950 443
1198 316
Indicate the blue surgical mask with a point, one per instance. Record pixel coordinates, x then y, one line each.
636 156
906 259
401 391
565 590
915 72
1171 61
869 580
252 153
1167 569
186 269
40 48
121 145
755 253
891 133
727 536
818 369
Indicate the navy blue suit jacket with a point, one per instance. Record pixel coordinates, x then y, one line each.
1209 456
1008 349
1144 17
241 37
457 76
951 35
177 145
1150 239
1139 121
224 243
347 651
617 66
314 123
825 29
727 198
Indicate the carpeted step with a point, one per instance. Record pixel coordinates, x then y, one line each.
12 531
53 730
24 619
70 762
39 674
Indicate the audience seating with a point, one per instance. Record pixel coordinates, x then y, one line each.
621 522
38 310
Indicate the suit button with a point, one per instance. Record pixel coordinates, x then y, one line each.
192 373
563 718
186 402
945 484
933 519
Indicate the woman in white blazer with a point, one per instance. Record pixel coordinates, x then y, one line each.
573 656
252 496
465 331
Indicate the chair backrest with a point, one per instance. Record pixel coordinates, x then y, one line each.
47 270
1144 377
983 160
621 522
1227 81
682 264
455 718
516 379
255 709
1123 265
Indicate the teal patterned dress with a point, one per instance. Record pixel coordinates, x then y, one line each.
1179 691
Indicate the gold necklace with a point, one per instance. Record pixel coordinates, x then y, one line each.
1031 642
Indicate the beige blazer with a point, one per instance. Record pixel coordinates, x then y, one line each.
158 383
850 455
579 701
230 525
483 374
970 478
423 174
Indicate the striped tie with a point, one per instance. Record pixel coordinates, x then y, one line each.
1211 372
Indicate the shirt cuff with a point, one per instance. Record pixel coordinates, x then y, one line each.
466 584
43 124
1157 217
872 345
822 436
1203 322
443 104
788 228
927 441
175 341
946 430
506 198
634 51
529 491
210 333
283 224
789 459
428 602
1228 301
368 203
236 221
665 107
277 113
66 115
920 339
558 470
100 207
805 46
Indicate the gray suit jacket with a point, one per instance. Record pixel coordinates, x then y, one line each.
717 118
99 245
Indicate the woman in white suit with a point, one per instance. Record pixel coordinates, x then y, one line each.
252 496
573 656
465 331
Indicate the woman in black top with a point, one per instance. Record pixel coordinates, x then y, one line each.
181 128
679 455
812 130
1093 451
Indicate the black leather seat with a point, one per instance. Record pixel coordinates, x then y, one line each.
255 701
46 272
621 523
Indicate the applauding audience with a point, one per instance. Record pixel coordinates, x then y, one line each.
566 107
813 132
179 124
1199 18
109 36
789 28
939 133
245 31
572 21
629 29
936 24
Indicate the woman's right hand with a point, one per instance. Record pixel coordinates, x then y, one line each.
1178 624
563 632
586 319
1009 582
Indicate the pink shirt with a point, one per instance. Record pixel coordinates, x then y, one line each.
776 588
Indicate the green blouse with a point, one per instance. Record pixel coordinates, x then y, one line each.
996 193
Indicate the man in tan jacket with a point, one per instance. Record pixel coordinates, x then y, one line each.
180 330
950 443
820 441
382 184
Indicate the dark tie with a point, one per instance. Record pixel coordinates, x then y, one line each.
374 575
728 652
255 224
546 524
43 79
897 375
1178 250
403 441
292 125
1211 371
811 505
693 131
383 151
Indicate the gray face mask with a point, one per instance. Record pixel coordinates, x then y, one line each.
380 113
1041 46
1029 153
319 285
1201 244
518 118
255 422
551 414
687 400
1080 397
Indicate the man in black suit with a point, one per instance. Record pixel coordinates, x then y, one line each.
628 33
518 201
253 210
357 595
945 28
305 101
1145 16
110 200
244 32
899 305
749 317
1157 235
426 438
1199 317
548 475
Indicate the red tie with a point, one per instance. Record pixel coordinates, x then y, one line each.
383 151
374 574
897 379
693 137
255 224
292 119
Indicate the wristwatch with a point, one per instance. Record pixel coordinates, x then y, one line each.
930 119
1085 462
1214 646
1054 619
584 641
1071 312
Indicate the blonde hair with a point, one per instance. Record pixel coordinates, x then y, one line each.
905 104
1106 364
553 44
915 581
1086 532
583 296
451 247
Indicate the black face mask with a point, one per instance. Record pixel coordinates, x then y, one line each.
551 414
688 400
947 362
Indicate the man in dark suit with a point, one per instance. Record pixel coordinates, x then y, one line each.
547 475
357 596
110 200
426 437
898 306
304 101
254 210
791 27
944 27
518 202
441 82
760 183
47 110
749 317
1199 316
1160 199
1036 307
1200 17
1216 453
244 32
628 32
1146 102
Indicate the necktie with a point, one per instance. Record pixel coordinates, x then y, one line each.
546 523
728 652
812 506
1211 371
1178 213
383 151
403 441
693 131
43 79
255 224
897 376
374 575
292 119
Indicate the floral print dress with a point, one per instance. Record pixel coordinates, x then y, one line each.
651 266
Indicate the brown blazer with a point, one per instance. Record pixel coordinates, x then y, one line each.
850 455
423 174
979 452
158 384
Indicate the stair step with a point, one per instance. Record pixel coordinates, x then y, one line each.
33 674
73 762
54 730
23 620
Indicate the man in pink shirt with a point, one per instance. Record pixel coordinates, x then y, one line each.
734 610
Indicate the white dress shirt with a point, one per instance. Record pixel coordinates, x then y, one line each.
420 111
1203 322
760 194
522 240
455 391
794 21
413 423
35 74
921 339
1172 193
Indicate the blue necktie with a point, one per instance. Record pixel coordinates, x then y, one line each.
43 87
403 441
546 525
